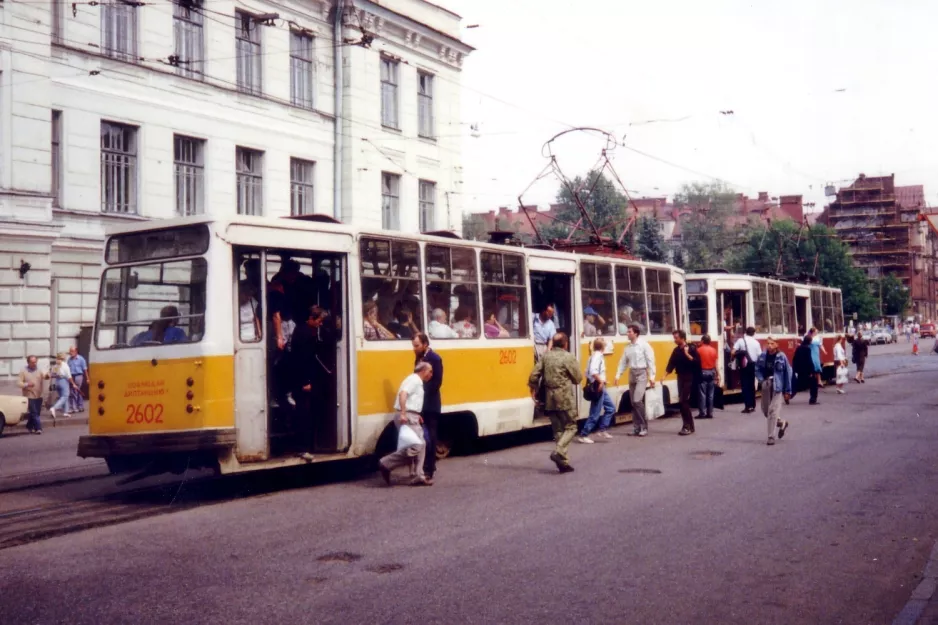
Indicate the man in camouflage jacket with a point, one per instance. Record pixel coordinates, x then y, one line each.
558 370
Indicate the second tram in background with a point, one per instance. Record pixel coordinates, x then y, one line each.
723 305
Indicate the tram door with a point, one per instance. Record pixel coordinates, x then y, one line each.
733 318
801 313
555 288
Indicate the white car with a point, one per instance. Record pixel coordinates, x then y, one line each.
13 411
880 337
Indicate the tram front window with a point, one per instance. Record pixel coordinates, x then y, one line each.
697 306
154 304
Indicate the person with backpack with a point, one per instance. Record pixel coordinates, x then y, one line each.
746 351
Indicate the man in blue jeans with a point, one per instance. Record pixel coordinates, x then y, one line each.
78 367
602 405
31 382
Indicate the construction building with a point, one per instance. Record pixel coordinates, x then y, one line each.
882 225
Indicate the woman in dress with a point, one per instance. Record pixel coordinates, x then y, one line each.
840 362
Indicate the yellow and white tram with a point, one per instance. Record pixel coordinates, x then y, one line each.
187 367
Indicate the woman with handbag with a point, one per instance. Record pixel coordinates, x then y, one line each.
594 390
63 383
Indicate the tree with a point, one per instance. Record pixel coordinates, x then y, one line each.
473 227
704 211
649 242
892 294
605 206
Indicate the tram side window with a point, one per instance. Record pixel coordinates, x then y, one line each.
452 292
788 310
504 296
154 304
828 311
775 308
598 299
660 301
697 306
760 300
838 312
817 310
630 298
249 297
390 273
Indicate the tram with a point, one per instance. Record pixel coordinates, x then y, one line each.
190 366
722 305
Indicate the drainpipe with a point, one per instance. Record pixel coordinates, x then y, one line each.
337 37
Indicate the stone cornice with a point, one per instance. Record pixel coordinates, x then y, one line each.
406 32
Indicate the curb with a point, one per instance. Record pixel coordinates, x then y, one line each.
922 594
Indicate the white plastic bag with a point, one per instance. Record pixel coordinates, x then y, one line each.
654 402
407 437
842 374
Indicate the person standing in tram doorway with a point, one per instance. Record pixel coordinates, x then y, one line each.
432 402
746 352
774 375
558 371
311 377
639 359
544 331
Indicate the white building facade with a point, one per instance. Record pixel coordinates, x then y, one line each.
121 111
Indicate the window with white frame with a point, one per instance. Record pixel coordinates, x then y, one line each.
390 201
248 49
118 168
425 105
301 69
389 81
119 29
250 181
56 158
188 38
189 164
301 186
427 205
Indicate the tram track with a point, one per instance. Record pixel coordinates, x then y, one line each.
56 476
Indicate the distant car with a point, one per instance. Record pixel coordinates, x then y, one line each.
927 330
13 410
881 337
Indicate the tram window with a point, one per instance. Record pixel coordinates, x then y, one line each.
155 304
775 308
788 310
838 312
598 299
828 311
760 300
452 292
250 327
630 298
817 309
390 273
697 311
504 296
660 301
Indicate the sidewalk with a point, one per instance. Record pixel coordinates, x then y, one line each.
922 608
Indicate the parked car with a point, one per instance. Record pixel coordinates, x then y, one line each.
927 330
880 336
13 411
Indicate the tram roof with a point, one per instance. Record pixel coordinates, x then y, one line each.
723 275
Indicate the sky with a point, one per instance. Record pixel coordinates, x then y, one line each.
820 90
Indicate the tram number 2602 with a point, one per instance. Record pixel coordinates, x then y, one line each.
507 356
144 413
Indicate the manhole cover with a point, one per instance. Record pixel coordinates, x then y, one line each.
641 471
339 556
706 455
385 568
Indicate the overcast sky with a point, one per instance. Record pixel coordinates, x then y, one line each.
820 89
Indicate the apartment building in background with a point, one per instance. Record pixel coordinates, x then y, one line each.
115 112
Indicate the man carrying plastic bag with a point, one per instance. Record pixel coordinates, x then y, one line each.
410 441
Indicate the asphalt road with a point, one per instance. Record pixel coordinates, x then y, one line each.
832 525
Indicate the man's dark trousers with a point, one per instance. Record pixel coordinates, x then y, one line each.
685 386
747 378
431 424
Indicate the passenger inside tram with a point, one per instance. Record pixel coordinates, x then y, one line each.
438 327
463 320
592 322
374 330
403 325
493 329
162 331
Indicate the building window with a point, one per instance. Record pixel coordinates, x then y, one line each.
427 205
389 76
248 48
190 174
301 187
390 201
425 105
56 187
249 168
119 29
301 69
118 168
188 37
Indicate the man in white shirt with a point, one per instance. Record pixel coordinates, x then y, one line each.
409 403
747 349
438 328
543 330
639 359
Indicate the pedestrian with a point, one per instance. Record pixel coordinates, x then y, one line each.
557 371
432 402
816 348
804 370
544 331
774 376
31 381
915 344
310 377
411 443
639 359
840 362
78 367
746 352
861 349
601 404
686 362
63 382
709 377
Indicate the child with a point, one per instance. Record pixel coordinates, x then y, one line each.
914 344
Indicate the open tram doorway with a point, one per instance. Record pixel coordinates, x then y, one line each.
734 319
555 289
291 353
801 315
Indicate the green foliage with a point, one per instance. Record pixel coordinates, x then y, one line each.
473 227
649 242
704 212
605 205
892 294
